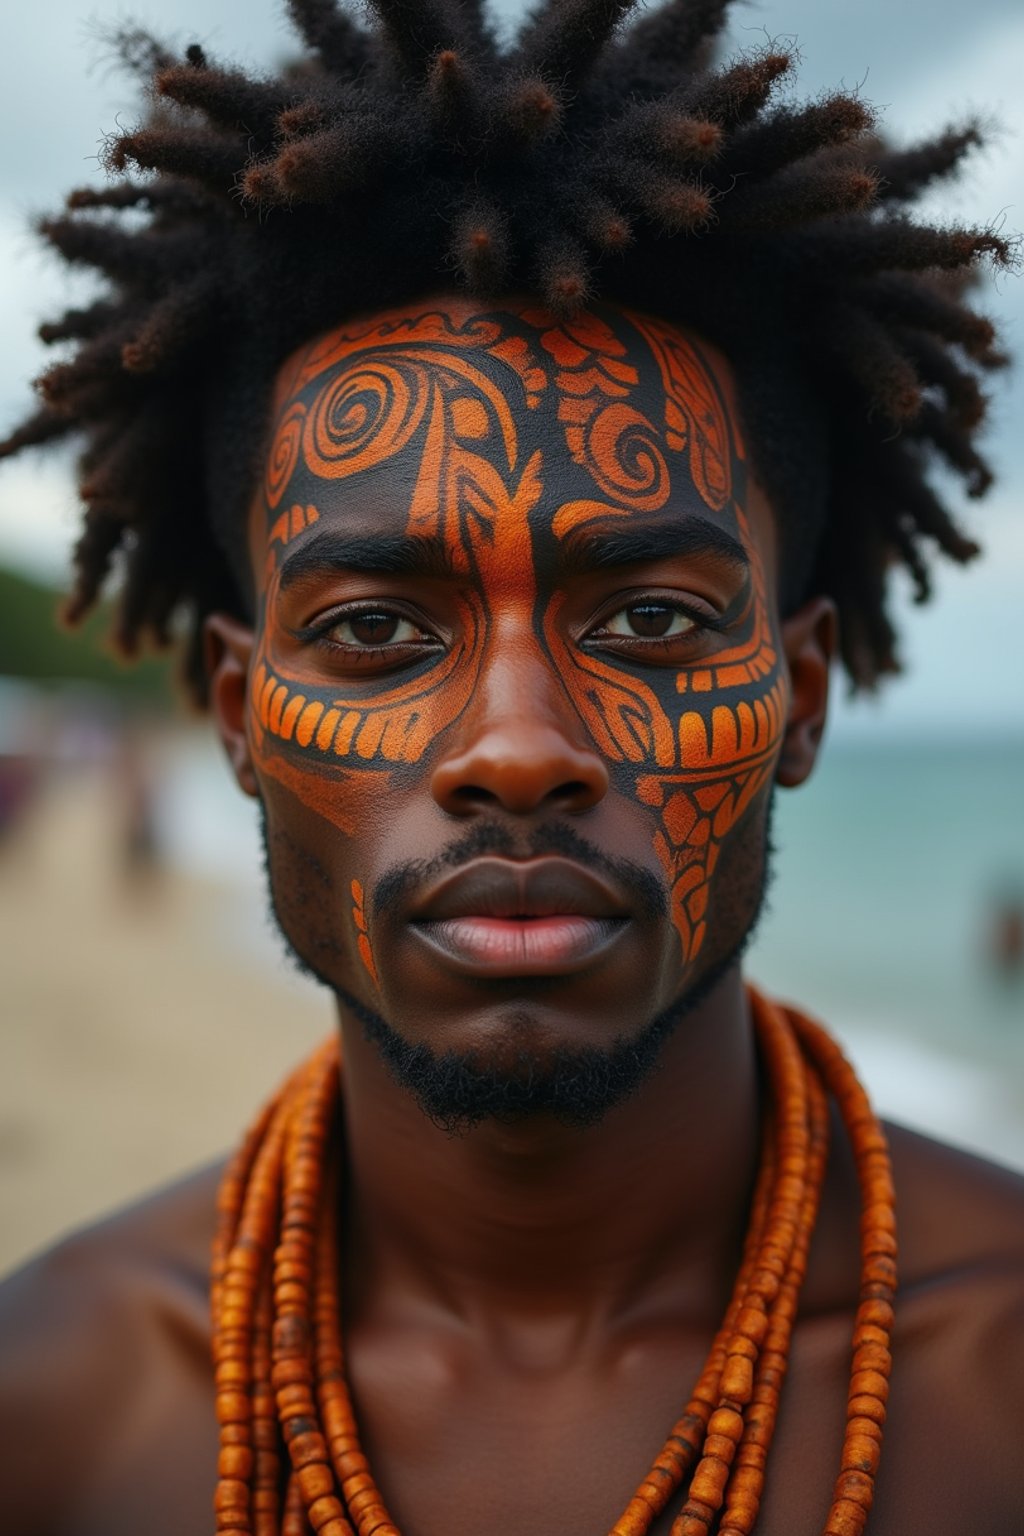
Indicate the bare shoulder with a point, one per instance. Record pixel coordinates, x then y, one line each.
961 1234
951 1457
958 1214
104 1361
958 1350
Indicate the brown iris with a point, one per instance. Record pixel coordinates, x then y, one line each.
649 621
373 628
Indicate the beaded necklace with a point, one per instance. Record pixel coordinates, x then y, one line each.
281 1393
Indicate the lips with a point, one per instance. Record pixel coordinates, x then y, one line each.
499 917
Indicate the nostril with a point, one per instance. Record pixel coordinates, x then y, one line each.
577 795
520 772
468 796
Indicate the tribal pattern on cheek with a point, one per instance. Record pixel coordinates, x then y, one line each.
362 937
405 386
700 747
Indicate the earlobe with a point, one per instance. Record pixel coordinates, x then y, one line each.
809 638
227 648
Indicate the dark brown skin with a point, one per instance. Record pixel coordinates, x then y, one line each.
527 1305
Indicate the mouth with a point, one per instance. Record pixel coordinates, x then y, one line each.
503 918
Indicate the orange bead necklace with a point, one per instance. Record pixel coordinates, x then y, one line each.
281 1393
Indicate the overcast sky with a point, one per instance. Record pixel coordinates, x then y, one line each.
922 62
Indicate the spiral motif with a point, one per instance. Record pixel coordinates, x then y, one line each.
694 414
625 458
284 452
364 415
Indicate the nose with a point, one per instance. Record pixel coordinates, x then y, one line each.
518 747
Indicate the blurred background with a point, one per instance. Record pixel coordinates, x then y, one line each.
147 1007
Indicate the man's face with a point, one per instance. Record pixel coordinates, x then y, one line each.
516 698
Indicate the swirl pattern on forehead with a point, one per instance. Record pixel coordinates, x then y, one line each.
284 453
363 416
605 431
621 450
694 415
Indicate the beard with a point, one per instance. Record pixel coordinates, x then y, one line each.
575 1086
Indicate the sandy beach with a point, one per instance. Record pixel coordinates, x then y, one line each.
137 1043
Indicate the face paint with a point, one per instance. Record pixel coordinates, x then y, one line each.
406 390
362 937
715 754
502 444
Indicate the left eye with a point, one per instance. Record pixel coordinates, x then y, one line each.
649 621
374 628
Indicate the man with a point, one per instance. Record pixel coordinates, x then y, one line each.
512 607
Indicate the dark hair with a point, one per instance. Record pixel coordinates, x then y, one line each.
583 158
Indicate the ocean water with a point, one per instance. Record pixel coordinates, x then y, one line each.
892 864
890 868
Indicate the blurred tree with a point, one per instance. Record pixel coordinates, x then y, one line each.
35 645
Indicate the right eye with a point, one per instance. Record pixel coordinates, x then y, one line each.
373 628
649 621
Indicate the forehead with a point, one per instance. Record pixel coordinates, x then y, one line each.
384 420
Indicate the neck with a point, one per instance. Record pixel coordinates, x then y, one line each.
538 1219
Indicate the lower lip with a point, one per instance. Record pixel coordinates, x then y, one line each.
538 946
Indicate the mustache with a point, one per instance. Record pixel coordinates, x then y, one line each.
402 880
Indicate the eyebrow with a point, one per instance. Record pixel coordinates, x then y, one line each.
377 553
587 550
596 548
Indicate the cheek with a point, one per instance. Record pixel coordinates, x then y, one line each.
340 748
362 936
728 753
698 747
317 876
698 816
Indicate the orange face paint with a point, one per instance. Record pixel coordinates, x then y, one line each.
703 760
498 441
410 391
362 937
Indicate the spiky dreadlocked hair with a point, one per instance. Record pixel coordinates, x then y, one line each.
414 153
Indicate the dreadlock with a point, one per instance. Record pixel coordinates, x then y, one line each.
585 157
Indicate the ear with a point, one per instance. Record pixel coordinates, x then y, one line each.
809 639
227 650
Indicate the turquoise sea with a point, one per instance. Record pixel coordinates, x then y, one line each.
892 868
891 865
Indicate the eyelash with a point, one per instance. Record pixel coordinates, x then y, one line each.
647 646
318 634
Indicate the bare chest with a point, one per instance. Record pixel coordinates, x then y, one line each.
460 1453
562 1459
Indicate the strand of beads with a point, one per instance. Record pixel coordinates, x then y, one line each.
686 1436
747 1483
872 1331
278 1353
361 1494
787 1077
294 1373
244 1255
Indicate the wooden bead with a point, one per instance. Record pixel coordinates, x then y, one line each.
231 1493
278 1345
708 1483
727 1422
235 1461
323 1509
738 1378
315 1480
232 1407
